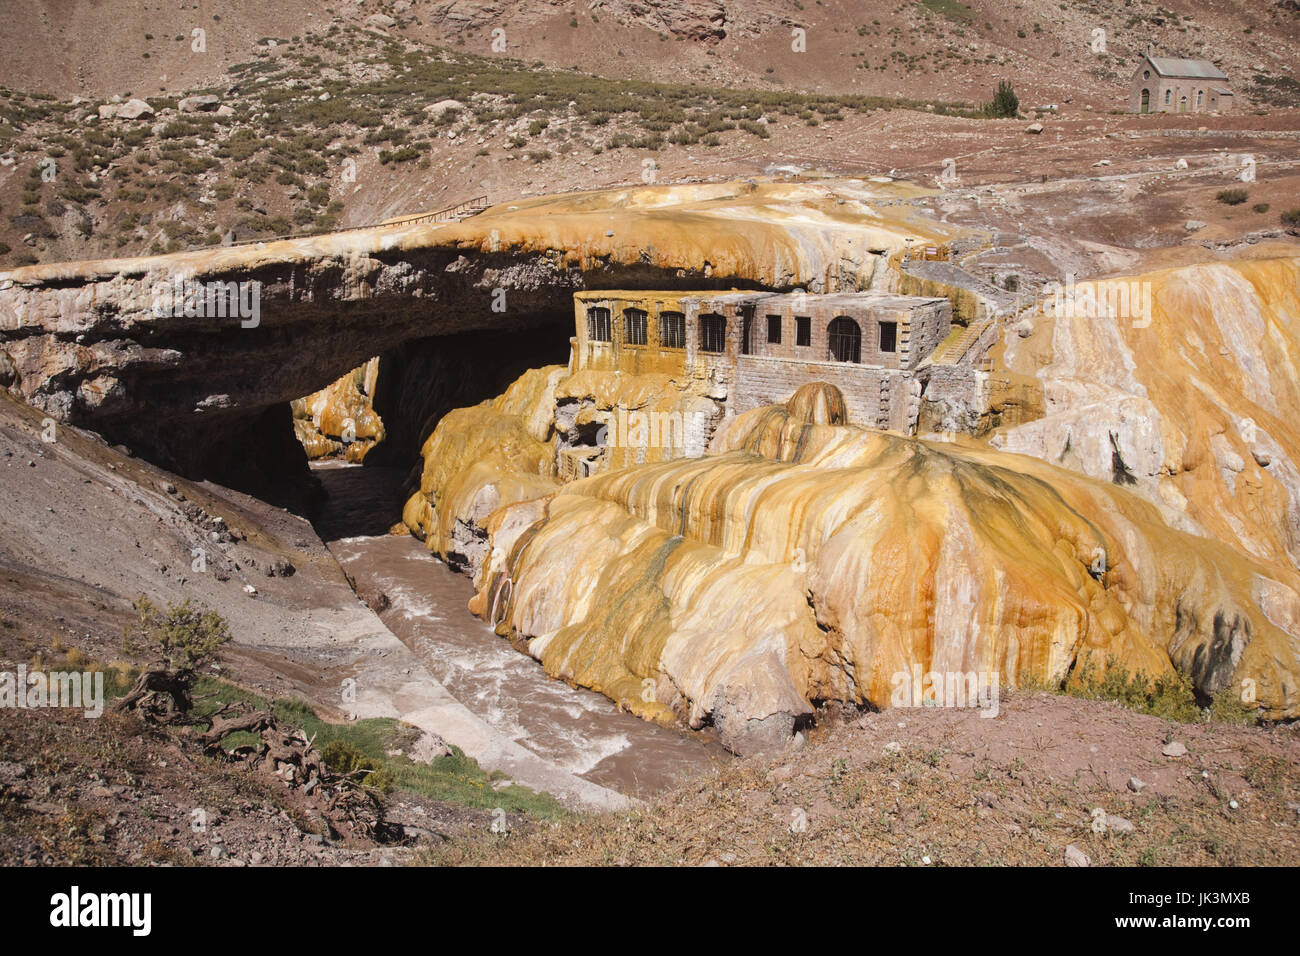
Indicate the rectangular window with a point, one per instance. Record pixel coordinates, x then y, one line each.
889 336
747 330
713 333
598 325
803 330
672 330
774 330
634 327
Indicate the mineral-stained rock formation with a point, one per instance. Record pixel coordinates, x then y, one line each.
1182 385
89 344
805 560
481 458
340 419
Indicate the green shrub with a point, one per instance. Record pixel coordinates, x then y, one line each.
1005 102
403 155
1170 696
343 758
1232 197
185 636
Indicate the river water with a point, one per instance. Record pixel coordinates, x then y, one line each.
578 730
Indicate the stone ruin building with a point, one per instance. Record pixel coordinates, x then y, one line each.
745 350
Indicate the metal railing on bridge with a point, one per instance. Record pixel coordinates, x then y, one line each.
455 213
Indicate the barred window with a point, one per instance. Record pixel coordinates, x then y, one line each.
713 333
634 327
844 339
598 325
802 330
774 329
672 330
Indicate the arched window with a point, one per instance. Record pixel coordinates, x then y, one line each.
1146 102
672 330
845 339
598 325
1182 103
713 333
1169 97
1200 98
634 326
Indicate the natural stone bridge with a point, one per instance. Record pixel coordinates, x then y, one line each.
106 344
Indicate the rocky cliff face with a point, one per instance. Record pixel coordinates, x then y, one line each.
89 344
1186 395
807 560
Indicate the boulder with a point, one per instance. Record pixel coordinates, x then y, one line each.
198 104
436 110
133 109
380 21
1034 128
1076 857
1117 824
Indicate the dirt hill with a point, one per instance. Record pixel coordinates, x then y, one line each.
929 48
346 123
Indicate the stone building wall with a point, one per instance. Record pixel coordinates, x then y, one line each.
881 389
1167 93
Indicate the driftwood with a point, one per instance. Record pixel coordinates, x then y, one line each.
222 726
163 696
344 805
290 755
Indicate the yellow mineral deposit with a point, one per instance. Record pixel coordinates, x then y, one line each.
340 419
1187 394
481 458
1136 503
780 234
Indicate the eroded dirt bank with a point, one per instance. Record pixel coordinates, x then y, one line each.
86 529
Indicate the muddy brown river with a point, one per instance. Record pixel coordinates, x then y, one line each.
577 730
